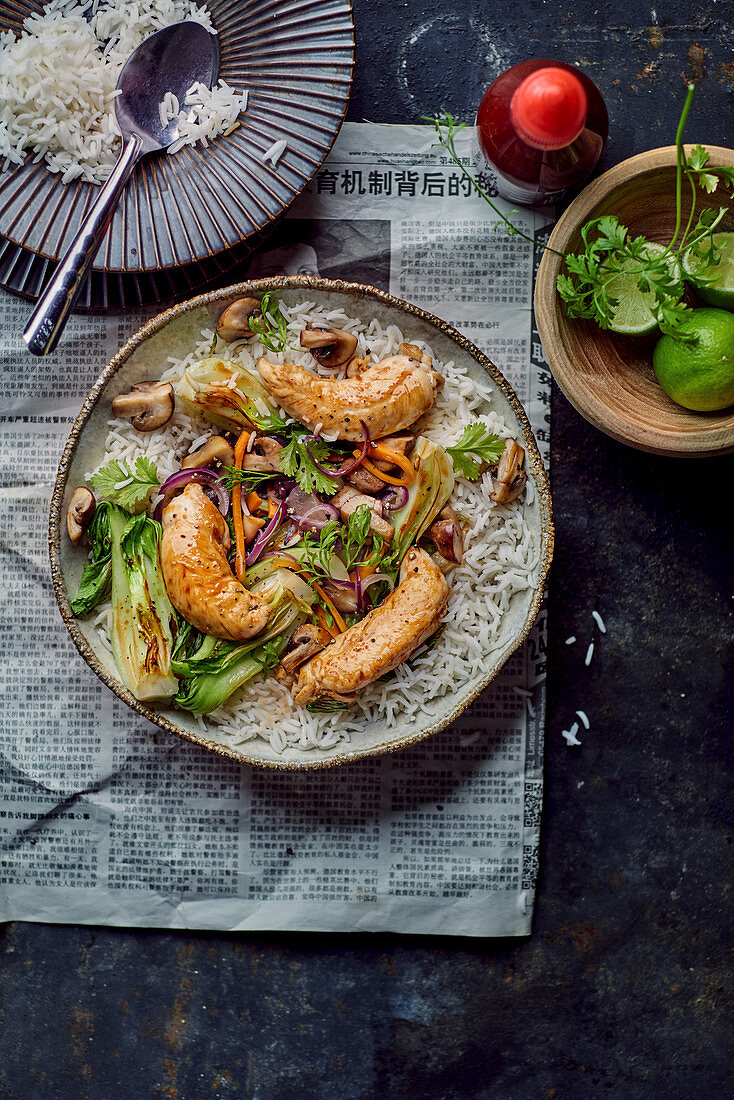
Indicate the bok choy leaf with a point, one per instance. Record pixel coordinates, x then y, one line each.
143 623
211 668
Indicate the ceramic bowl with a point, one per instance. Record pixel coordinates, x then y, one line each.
609 378
145 356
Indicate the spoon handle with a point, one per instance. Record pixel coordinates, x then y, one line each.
49 317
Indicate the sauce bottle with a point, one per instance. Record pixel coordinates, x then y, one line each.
541 128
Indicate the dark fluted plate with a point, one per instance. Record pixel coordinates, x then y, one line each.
184 219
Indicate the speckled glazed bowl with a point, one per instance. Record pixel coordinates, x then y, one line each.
145 356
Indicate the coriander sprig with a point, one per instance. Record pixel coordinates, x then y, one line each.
476 440
608 249
130 488
447 127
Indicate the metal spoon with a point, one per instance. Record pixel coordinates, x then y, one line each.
170 60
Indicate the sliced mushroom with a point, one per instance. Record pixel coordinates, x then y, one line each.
330 347
509 480
447 535
305 641
79 513
365 481
216 449
148 405
348 500
234 324
264 455
414 352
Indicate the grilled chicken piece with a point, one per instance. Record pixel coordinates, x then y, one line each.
198 579
388 396
382 640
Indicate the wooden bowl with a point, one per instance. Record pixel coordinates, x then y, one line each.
609 378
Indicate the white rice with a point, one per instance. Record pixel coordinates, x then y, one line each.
570 735
275 152
501 558
599 621
589 654
584 718
57 85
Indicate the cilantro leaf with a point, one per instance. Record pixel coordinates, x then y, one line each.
296 462
477 440
127 487
698 158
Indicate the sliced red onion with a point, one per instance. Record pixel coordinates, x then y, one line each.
298 502
374 578
396 497
350 465
200 475
261 541
318 516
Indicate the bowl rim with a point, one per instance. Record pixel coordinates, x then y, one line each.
704 442
243 289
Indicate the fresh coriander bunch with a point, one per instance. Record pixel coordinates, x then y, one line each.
625 283
633 285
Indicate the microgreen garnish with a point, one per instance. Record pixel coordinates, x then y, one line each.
447 127
318 549
232 475
268 656
270 327
476 440
130 488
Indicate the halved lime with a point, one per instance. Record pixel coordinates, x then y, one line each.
632 315
718 287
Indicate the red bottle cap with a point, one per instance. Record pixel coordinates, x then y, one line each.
548 110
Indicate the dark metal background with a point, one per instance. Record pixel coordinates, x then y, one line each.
624 988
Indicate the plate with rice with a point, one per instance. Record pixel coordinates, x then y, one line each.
495 587
246 149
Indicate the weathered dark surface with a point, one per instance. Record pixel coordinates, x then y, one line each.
624 988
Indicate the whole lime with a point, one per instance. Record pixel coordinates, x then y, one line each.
696 368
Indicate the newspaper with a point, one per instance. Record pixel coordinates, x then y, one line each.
106 819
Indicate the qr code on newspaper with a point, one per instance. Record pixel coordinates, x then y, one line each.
533 805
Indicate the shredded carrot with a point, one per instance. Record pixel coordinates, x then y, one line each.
387 478
324 622
254 502
365 571
387 454
337 617
272 508
239 532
